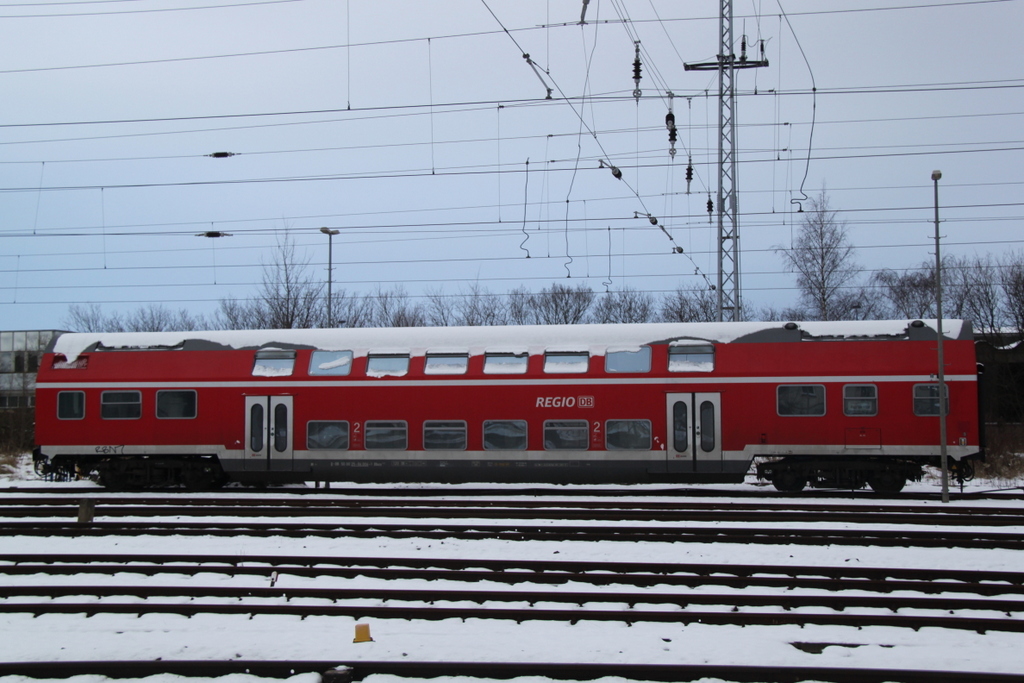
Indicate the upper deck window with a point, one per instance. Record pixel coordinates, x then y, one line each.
638 360
699 358
569 362
387 364
506 363
334 363
446 364
273 363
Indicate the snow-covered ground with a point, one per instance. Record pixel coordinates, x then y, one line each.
74 637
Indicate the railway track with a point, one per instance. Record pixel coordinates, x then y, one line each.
119 588
345 672
759 492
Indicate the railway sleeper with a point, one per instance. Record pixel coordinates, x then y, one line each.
883 475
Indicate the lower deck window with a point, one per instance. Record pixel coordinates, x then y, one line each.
860 400
505 435
926 400
71 405
386 435
628 435
566 435
801 399
440 435
121 405
325 435
175 405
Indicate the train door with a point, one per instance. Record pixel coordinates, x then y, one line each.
694 432
268 433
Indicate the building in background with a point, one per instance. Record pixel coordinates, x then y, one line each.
20 352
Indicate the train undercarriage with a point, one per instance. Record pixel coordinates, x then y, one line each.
883 475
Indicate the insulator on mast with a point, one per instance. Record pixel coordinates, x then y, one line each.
636 74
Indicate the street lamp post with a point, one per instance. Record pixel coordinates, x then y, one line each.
330 267
942 366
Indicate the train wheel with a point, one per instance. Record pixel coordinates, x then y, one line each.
887 482
788 481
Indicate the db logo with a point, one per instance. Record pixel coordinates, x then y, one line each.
565 401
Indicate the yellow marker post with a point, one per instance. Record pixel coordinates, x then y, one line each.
363 634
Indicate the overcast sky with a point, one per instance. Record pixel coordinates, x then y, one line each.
418 130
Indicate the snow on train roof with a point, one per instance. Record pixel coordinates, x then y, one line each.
595 339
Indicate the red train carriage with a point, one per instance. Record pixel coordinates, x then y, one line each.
834 404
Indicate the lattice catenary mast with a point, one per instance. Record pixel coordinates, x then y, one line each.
729 300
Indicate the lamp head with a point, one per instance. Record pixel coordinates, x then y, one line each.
936 175
328 231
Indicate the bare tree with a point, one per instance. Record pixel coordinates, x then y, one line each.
149 318
626 305
972 284
910 294
690 306
1012 285
86 319
823 260
477 306
393 308
289 296
519 307
562 304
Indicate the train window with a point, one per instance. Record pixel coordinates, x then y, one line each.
926 399
386 435
695 358
387 364
680 426
446 364
566 435
62 363
707 426
505 435
444 435
273 363
280 427
121 405
256 427
860 400
638 360
71 405
175 405
575 362
334 363
801 399
505 363
323 435
627 435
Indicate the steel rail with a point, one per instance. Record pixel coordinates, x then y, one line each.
356 670
440 594
514 531
530 511
759 492
513 572
730 618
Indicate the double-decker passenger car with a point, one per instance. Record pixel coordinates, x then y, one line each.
831 403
